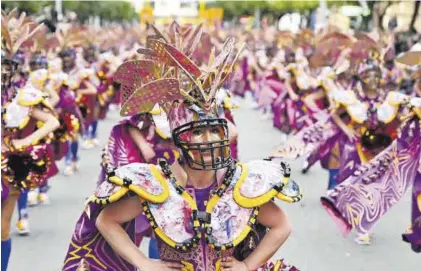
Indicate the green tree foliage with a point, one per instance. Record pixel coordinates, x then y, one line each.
30 7
275 8
106 10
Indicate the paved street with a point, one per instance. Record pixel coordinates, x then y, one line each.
315 243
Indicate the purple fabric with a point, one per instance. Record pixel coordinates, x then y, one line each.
373 188
315 142
414 238
88 244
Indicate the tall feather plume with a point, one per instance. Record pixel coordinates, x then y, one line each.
15 31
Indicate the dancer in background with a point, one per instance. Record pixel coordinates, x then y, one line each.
24 156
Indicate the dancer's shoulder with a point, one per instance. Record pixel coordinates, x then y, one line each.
260 181
145 180
17 112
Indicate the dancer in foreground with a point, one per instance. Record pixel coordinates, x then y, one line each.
208 211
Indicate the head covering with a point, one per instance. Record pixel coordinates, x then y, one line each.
166 75
15 31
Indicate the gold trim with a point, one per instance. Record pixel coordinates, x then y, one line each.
141 192
278 265
111 198
155 111
361 154
187 266
164 237
87 255
289 199
160 133
24 122
256 201
352 116
28 103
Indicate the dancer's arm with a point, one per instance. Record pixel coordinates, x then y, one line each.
147 151
276 220
310 100
50 124
53 97
109 225
350 133
89 90
290 91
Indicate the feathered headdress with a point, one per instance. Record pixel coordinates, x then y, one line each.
329 48
15 31
67 37
167 73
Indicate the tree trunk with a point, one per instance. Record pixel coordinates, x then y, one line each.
414 16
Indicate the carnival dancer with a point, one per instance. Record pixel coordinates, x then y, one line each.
363 121
37 79
378 185
87 100
78 81
392 72
363 198
108 64
174 196
24 158
145 138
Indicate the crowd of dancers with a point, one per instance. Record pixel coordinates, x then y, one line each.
169 169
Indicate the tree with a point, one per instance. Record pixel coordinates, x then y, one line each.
106 10
30 7
414 16
233 9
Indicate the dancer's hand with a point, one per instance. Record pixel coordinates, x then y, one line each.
153 265
351 134
231 264
4 148
20 143
294 97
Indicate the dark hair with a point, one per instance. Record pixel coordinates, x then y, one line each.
67 53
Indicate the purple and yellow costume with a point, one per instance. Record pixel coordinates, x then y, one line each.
186 230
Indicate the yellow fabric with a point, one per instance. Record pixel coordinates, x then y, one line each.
252 202
21 101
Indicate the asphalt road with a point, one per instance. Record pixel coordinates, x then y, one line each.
315 243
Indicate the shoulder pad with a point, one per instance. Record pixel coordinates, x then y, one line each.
37 78
357 111
344 97
17 113
162 126
261 182
29 96
143 179
416 103
396 98
388 110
